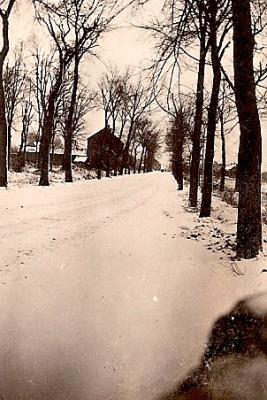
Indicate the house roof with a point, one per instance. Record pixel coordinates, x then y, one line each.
104 130
80 158
80 153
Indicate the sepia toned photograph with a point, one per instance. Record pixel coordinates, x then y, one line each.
133 200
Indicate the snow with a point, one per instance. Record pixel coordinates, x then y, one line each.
105 291
31 176
218 232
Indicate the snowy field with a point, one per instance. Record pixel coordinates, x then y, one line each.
109 288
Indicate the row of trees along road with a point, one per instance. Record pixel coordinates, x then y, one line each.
192 35
200 36
52 88
126 100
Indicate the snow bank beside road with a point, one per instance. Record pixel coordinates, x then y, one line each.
218 233
31 176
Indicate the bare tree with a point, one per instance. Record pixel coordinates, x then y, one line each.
143 131
27 119
137 100
219 25
14 79
184 26
87 22
111 92
227 122
179 132
112 99
152 148
249 228
42 80
179 108
45 14
199 18
85 102
5 11
75 27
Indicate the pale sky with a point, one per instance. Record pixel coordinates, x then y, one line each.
123 47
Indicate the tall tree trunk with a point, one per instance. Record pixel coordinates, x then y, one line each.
9 138
196 137
180 174
119 157
48 127
174 169
20 164
68 134
212 116
45 156
141 160
68 158
111 162
25 154
52 152
3 131
3 123
249 227
180 150
125 153
40 152
145 161
21 159
135 160
37 145
223 167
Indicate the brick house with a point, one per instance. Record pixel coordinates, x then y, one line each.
103 150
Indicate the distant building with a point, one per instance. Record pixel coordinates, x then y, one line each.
103 149
79 159
31 155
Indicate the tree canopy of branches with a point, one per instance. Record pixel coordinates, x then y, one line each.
125 98
203 27
27 119
146 142
84 103
184 24
227 122
14 80
75 27
219 24
179 131
112 87
42 81
138 97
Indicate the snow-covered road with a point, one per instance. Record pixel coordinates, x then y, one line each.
99 296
